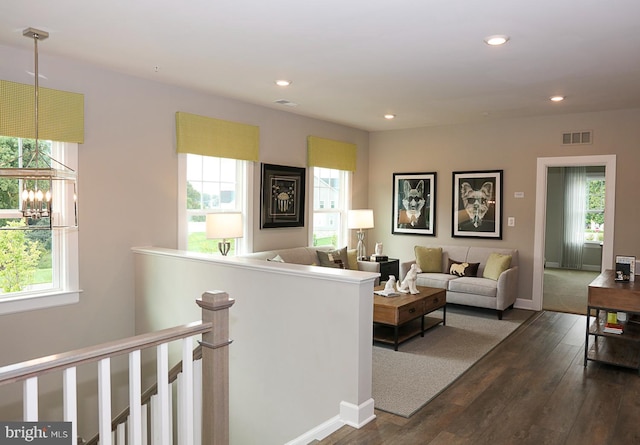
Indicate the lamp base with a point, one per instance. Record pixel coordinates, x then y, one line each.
361 251
224 247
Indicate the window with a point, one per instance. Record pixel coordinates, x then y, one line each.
594 217
329 225
210 184
34 263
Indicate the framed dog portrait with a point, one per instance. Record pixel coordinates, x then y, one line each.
414 203
477 204
282 197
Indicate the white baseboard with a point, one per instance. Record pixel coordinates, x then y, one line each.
525 304
357 415
353 415
318 433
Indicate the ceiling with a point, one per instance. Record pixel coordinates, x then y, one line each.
352 61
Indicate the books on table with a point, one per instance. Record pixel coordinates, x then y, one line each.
613 328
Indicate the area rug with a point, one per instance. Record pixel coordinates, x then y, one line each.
405 380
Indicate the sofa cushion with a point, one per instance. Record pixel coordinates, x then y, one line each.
429 259
334 258
496 264
463 269
437 280
473 285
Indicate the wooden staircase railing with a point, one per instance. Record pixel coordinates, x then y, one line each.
214 328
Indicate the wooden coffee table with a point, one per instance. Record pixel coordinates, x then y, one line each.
397 319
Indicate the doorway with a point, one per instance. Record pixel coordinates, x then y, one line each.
543 166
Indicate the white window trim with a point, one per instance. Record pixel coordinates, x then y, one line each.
343 238
67 284
246 243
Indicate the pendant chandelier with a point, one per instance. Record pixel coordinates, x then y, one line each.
47 186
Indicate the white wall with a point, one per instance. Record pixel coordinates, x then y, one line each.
301 336
128 194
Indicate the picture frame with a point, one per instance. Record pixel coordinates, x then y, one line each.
477 204
414 204
282 197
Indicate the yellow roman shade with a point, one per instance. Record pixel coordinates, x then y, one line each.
328 153
60 113
214 137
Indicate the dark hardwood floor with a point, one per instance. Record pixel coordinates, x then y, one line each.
531 389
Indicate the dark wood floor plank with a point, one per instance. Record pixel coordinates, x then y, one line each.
531 389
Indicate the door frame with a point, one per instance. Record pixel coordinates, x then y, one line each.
543 164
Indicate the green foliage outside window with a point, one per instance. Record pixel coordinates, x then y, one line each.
594 218
18 259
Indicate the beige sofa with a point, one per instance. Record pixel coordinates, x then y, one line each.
476 291
308 256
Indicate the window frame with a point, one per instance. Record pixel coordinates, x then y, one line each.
65 258
344 204
243 244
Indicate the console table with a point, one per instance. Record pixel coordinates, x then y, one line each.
607 295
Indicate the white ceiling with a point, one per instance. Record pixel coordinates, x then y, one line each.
351 61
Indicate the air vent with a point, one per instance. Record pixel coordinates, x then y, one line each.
286 102
577 137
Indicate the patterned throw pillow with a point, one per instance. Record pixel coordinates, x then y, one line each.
276 259
463 269
334 258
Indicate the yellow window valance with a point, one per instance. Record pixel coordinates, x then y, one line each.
214 137
60 113
328 153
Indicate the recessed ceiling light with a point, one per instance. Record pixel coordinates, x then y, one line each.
283 83
556 98
389 116
496 40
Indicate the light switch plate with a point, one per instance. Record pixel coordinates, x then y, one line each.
511 221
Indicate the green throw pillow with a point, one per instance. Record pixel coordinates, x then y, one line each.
334 258
352 256
496 264
429 259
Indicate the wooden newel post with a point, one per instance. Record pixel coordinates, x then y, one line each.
215 368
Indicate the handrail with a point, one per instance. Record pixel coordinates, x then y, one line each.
32 368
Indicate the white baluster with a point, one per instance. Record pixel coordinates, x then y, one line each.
135 393
121 432
186 395
70 402
30 400
162 368
145 424
104 401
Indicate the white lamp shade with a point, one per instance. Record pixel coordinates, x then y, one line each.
360 219
224 225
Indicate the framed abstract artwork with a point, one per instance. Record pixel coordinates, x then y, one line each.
282 196
414 203
477 204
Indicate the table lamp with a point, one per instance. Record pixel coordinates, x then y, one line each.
360 219
225 226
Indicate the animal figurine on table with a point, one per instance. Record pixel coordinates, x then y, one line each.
390 286
408 284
